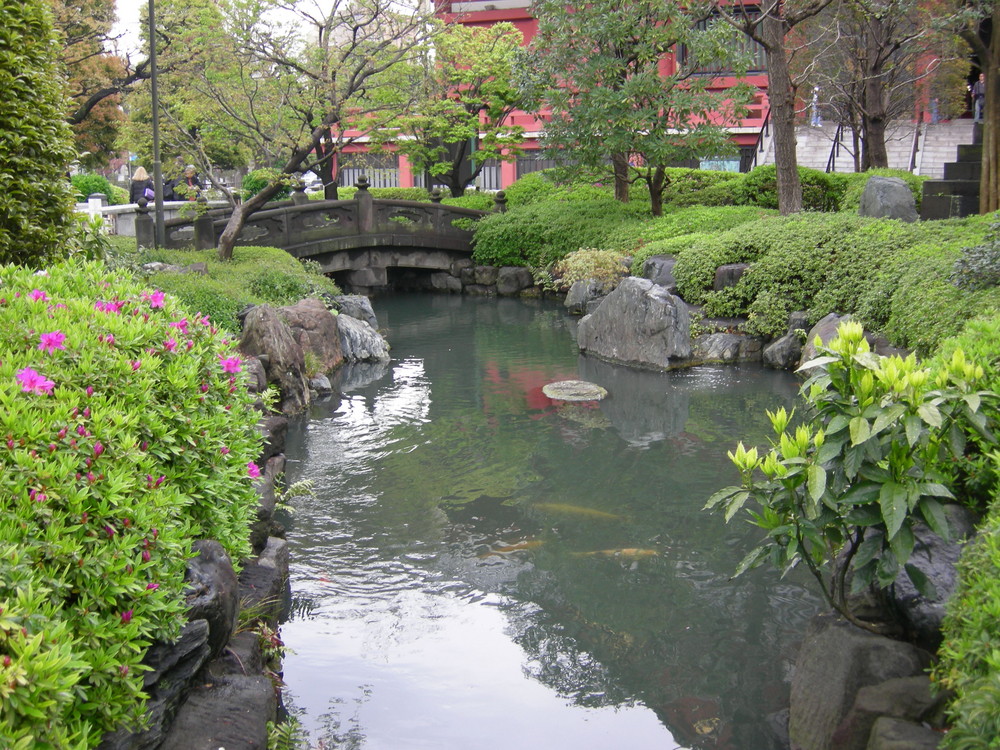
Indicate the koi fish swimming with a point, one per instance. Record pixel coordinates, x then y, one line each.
576 510
506 549
628 553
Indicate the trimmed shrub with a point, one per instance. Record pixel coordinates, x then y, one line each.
478 201
672 246
36 144
126 432
701 187
254 276
88 184
404 194
606 266
631 236
539 234
820 191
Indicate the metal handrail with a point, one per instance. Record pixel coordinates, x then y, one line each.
838 135
765 129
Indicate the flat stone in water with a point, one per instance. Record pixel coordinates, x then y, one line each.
574 390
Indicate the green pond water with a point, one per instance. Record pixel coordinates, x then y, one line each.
483 566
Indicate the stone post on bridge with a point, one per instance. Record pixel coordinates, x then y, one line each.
366 209
145 227
204 226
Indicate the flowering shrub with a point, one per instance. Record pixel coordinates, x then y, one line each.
125 433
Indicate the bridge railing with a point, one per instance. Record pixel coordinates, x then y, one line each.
301 221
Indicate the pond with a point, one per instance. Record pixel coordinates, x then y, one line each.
480 564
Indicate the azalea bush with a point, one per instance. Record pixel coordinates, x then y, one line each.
878 454
125 432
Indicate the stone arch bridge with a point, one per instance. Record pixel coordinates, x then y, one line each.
359 239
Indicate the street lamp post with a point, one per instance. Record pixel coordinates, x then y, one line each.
160 235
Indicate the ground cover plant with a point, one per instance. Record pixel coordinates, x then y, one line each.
255 275
125 432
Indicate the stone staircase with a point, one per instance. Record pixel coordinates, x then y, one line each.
957 194
936 144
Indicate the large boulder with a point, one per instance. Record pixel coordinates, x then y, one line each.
907 698
729 275
356 306
784 353
726 348
837 659
888 198
267 336
512 280
936 558
582 293
899 734
360 342
213 592
660 270
639 324
315 329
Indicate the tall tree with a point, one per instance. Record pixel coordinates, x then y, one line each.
285 79
874 60
770 24
980 28
460 120
613 92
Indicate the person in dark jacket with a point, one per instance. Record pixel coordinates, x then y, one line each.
188 187
140 183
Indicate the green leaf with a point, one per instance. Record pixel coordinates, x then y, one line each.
956 439
930 414
735 504
914 427
816 481
829 450
921 582
892 500
862 578
860 430
817 362
973 400
888 417
752 560
721 496
868 550
886 570
902 544
933 513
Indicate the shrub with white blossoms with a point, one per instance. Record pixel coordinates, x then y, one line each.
126 432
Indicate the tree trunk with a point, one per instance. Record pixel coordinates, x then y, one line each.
989 185
656 179
874 115
324 170
619 163
781 93
227 240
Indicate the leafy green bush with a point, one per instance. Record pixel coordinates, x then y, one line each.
255 275
126 432
478 201
88 184
672 246
259 179
403 194
855 186
875 457
632 235
605 266
539 234
820 191
36 144
701 187
978 267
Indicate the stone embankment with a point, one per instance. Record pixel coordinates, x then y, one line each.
217 686
852 689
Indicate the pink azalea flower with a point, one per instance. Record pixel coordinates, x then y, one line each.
253 470
170 345
224 450
90 391
52 341
155 299
145 555
230 364
152 586
182 324
136 364
38 295
126 616
98 448
33 382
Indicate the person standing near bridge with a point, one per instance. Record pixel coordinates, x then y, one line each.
978 90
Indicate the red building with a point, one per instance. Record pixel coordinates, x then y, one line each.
393 171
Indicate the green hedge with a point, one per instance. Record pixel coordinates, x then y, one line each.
125 432
820 191
855 186
36 144
86 185
892 275
538 234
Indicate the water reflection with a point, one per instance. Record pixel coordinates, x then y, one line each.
481 561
